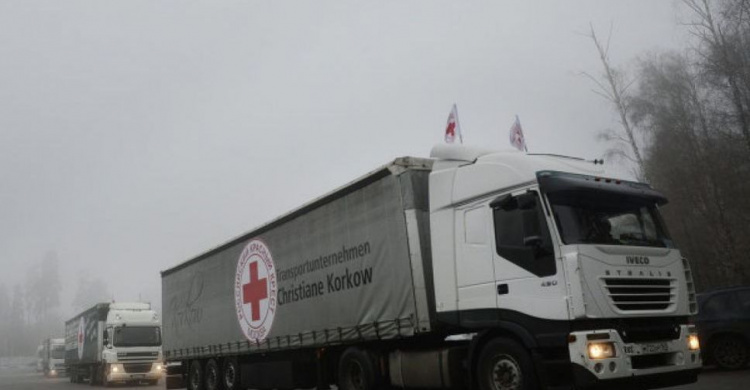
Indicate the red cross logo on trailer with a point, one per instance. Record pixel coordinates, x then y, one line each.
255 290
81 337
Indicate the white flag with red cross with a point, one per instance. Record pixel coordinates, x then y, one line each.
453 127
516 136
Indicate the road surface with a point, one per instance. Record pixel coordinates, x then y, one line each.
27 379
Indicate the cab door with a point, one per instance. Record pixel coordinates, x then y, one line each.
475 273
527 268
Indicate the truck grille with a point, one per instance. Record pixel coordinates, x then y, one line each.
137 368
636 294
137 356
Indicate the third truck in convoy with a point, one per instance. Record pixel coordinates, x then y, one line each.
470 269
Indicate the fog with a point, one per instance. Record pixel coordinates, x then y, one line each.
137 134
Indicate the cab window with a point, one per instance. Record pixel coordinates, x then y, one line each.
521 233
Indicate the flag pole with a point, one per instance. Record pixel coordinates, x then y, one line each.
458 124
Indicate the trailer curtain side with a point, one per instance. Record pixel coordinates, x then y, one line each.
352 265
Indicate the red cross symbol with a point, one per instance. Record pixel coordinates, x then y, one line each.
255 291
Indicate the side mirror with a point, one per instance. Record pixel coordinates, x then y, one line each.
505 202
526 201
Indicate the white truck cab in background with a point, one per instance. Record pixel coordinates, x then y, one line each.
53 357
115 342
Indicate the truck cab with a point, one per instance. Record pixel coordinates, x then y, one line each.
575 266
132 344
53 357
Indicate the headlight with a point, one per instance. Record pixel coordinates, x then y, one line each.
53 372
601 350
157 367
115 368
693 342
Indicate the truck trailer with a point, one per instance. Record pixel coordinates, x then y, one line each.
114 342
470 269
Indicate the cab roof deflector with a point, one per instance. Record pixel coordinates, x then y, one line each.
458 152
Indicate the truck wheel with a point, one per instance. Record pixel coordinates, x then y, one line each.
505 365
195 376
231 376
730 352
103 376
92 376
357 370
213 376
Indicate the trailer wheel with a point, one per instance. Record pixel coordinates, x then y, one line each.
505 365
213 375
195 376
231 374
357 370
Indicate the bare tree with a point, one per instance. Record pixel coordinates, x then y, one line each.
722 47
613 87
90 290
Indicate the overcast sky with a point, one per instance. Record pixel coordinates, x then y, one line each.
136 134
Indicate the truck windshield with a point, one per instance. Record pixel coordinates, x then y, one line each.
600 218
58 352
137 336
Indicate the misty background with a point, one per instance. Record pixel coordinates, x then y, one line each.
135 135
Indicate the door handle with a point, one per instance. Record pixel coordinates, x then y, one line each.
502 289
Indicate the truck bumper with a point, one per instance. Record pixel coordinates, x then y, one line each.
646 365
123 373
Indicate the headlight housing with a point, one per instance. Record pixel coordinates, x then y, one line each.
116 368
693 342
601 350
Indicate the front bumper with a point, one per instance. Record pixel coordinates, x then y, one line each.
633 362
124 373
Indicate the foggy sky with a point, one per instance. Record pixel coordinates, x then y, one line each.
136 134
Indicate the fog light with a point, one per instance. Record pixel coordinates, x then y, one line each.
601 350
612 366
693 343
598 367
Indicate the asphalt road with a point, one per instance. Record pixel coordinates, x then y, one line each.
31 380
710 379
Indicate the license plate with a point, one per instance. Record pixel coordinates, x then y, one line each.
646 349
138 376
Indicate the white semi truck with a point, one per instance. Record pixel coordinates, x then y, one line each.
472 269
114 342
52 355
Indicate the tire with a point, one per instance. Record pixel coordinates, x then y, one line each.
230 374
358 370
195 376
504 364
212 375
730 352
103 376
92 376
